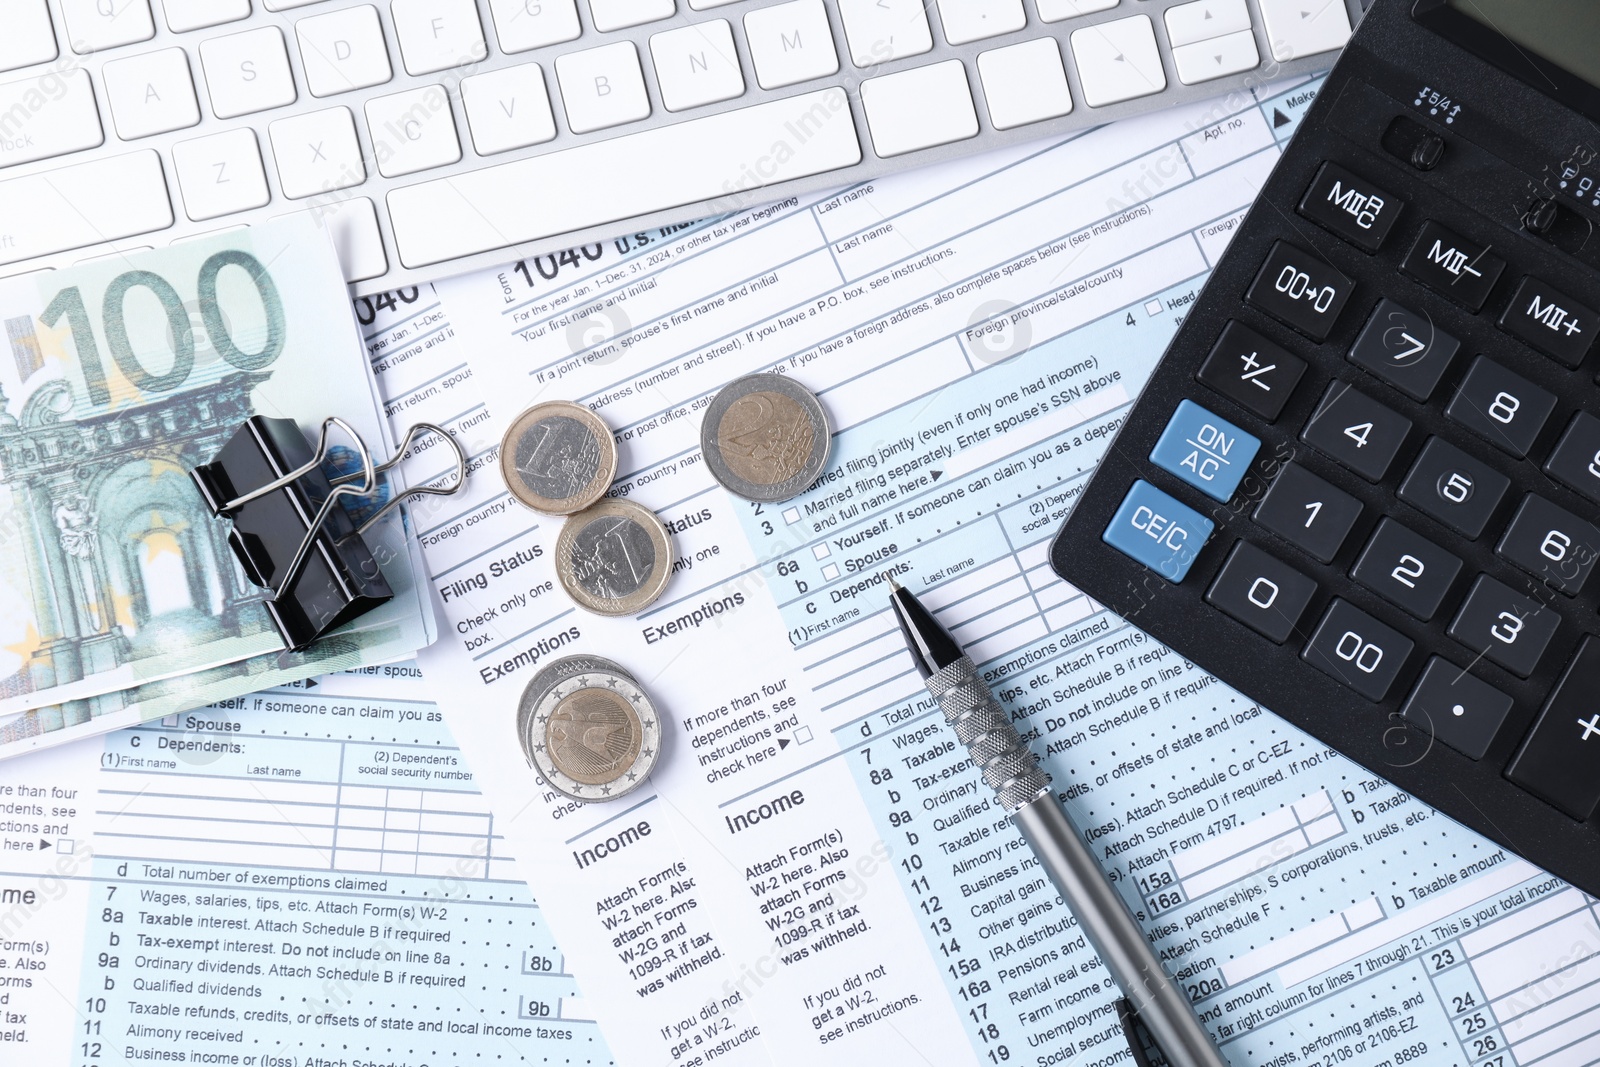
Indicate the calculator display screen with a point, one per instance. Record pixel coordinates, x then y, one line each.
1564 32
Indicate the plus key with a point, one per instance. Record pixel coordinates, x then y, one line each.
1560 759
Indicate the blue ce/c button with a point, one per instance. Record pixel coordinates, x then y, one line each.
1162 533
1208 452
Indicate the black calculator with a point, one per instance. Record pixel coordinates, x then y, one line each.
1363 485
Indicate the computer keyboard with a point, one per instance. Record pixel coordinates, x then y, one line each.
435 136
1362 485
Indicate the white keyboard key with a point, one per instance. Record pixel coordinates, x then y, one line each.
438 34
343 50
1057 10
704 5
973 20
82 205
285 5
186 15
220 175
247 72
697 65
412 131
790 43
1298 28
29 38
620 14
1217 57
96 24
881 30
151 94
1024 83
602 87
354 226
317 153
1205 20
35 124
919 108
1118 61
596 183
508 108
525 24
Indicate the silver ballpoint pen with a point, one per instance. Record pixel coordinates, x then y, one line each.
1152 1001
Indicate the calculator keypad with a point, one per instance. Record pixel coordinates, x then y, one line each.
1420 522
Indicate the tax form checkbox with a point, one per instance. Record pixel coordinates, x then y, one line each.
802 734
831 571
1152 308
822 551
791 515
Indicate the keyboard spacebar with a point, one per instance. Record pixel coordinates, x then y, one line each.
606 181
81 205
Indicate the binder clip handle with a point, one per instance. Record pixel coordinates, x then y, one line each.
394 461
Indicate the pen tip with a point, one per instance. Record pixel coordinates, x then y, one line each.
894 586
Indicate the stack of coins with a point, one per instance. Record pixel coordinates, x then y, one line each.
589 729
613 557
765 438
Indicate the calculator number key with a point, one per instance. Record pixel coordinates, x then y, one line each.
1308 512
1575 463
1502 407
1357 431
1406 569
1352 647
1261 591
1251 370
1405 349
1453 487
1552 543
1505 626
1300 290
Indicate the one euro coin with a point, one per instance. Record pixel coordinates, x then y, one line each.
558 457
614 558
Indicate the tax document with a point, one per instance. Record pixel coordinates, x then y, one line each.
290 879
814 873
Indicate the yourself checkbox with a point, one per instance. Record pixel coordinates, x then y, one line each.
822 551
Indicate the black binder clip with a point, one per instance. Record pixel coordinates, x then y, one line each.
289 531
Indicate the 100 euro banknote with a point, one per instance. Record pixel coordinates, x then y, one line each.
117 378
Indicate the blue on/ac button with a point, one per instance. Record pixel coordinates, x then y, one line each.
1162 533
1208 452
